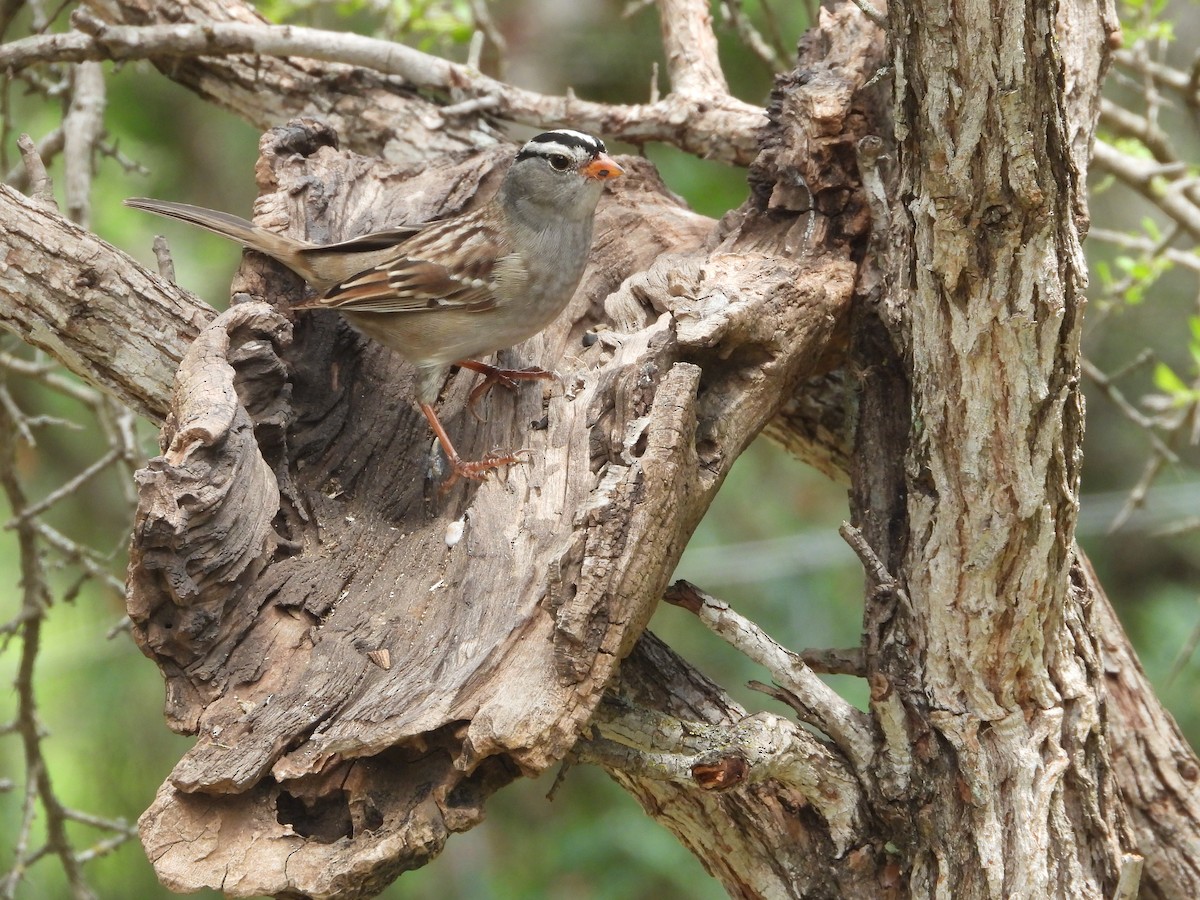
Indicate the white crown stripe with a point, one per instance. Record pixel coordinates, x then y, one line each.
550 148
570 142
578 135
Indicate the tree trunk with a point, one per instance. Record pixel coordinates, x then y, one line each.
984 645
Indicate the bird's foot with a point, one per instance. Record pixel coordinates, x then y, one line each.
479 469
507 378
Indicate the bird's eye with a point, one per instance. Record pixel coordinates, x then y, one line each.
558 162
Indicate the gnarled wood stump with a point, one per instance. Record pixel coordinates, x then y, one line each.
364 657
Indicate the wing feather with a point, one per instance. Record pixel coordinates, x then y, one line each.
413 280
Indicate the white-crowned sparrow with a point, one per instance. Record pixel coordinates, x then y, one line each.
460 287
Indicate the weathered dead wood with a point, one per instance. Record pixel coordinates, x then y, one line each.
96 311
726 830
372 113
497 645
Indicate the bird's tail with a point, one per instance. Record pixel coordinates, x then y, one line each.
286 250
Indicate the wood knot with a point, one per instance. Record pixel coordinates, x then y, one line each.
721 775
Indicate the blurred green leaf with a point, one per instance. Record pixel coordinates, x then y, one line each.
1167 381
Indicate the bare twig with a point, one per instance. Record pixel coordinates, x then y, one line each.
750 36
1107 387
871 13
1157 184
83 126
35 598
162 256
47 148
64 490
699 116
1150 248
89 560
40 187
50 374
819 704
1183 656
871 562
1137 495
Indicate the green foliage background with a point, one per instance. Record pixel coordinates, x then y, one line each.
101 700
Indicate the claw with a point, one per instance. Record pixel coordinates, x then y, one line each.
479 469
492 376
474 470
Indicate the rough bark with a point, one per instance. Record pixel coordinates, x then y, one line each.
1155 767
287 523
365 664
985 641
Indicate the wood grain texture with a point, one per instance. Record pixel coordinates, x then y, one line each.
97 311
361 685
295 525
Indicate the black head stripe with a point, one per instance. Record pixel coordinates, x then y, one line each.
549 141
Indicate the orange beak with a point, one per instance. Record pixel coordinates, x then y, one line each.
602 168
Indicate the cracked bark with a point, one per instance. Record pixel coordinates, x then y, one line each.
361 684
287 533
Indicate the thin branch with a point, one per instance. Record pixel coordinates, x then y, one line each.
91 562
1182 258
1183 656
1137 495
750 36
712 124
822 707
65 489
693 64
1148 180
13 413
1162 452
866 554
1107 387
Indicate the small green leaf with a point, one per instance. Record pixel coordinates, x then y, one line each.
1168 382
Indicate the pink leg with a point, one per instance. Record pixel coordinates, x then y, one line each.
506 378
459 468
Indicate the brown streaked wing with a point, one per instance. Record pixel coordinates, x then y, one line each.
412 281
365 243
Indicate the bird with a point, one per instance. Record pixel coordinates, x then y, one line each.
446 292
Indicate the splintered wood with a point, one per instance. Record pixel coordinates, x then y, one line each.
359 682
